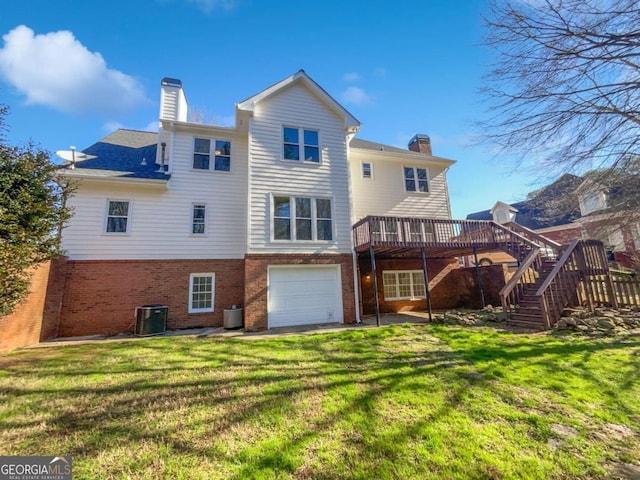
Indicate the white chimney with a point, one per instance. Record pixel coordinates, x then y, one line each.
173 103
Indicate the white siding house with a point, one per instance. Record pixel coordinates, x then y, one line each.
259 215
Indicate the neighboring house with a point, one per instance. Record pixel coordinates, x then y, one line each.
570 208
259 215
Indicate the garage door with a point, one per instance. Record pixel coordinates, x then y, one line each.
304 295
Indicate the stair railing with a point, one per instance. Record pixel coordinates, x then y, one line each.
522 279
545 243
561 284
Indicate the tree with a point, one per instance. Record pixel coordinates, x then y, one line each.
565 90
32 212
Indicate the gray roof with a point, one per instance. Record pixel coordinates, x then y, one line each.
367 145
121 154
551 206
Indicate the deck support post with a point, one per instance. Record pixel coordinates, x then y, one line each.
375 283
426 283
478 278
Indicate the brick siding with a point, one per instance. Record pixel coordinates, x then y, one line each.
101 295
36 317
255 300
449 285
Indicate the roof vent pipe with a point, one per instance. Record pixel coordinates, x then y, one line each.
164 147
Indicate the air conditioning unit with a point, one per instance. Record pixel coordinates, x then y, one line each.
151 320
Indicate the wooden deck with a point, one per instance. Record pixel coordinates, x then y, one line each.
440 238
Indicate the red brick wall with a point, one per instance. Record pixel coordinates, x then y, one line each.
449 286
256 283
101 295
36 317
565 236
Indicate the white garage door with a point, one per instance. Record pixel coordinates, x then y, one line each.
304 295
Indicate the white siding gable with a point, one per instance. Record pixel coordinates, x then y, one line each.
296 106
384 193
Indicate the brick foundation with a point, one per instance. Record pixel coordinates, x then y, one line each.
101 295
255 275
449 285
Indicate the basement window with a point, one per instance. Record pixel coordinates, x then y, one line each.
403 285
201 288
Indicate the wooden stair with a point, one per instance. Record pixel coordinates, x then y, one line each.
528 312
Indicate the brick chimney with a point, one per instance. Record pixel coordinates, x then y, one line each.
420 143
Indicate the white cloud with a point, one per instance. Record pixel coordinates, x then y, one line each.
380 72
112 126
209 6
351 77
56 70
152 126
356 96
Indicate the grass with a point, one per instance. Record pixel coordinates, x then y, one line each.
394 402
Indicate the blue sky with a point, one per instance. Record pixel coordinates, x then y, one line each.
73 71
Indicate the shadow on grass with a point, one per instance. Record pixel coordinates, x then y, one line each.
327 406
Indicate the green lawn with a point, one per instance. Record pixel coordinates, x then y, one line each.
394 402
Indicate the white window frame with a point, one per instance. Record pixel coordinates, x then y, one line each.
502 216
193 219
301 144
210 309
293 217
635 235
411 273
415 179
615 239
212 154
106 216
363 170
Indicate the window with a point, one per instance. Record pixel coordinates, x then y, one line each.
385 230
592 202
502 216
366 170
291 139
202 154
117 216
416 179
311 217
419 232
403 285
616 240
323 219
201 288
198 221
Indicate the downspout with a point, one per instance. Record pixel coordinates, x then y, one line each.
356 284
172 135
354 255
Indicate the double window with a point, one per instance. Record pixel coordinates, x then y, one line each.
403 285
302 218
117 216
300 144
416 179
201 289
210 154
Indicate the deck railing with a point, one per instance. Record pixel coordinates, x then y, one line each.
549 247
401 232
